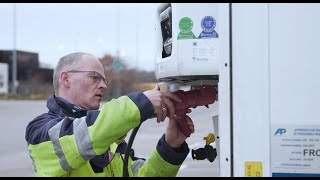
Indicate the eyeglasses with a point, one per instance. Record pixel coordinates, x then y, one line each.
97 77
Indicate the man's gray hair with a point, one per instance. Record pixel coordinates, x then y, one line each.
66 63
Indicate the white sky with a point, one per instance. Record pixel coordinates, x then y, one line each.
55 29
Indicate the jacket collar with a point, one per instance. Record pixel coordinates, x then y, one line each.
62 107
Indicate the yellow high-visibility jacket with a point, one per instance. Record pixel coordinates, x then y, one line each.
70 141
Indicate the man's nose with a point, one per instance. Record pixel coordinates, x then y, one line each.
103 84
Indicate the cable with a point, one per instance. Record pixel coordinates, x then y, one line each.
128 149
125 172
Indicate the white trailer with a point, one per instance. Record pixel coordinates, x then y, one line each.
265 60
4 76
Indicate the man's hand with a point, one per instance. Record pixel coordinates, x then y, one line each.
173 136
162 102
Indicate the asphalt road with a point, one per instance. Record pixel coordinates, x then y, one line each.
15 161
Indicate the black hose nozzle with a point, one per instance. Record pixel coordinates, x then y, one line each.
207 152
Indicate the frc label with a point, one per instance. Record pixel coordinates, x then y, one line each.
295 150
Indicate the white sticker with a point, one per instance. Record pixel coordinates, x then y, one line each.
203 51
295 150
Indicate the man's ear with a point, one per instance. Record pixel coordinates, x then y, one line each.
65 79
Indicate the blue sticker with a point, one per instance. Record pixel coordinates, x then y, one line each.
208 24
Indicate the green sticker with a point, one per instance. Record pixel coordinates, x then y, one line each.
185 26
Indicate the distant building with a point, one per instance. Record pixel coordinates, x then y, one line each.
27 62
27 68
